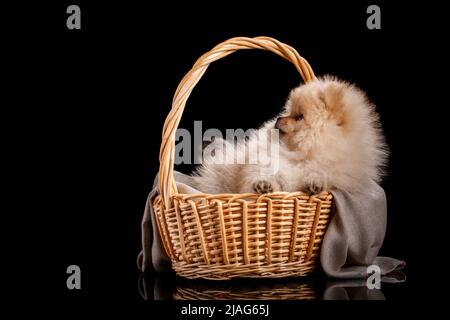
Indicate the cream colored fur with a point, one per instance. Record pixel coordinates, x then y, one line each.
330 137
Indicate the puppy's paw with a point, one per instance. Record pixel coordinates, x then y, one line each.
263 186
313 188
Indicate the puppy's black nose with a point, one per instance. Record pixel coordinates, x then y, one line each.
279 123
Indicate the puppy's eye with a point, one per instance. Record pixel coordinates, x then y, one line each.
298 117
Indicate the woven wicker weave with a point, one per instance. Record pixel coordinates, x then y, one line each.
224 236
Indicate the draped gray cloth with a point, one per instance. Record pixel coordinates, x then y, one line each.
355 235
153 256
351 242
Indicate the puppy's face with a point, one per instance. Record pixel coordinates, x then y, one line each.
311 110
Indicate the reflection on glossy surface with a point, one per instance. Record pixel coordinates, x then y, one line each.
222 291
170 287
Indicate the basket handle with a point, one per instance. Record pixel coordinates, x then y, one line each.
167 183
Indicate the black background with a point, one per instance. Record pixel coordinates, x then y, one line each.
93 102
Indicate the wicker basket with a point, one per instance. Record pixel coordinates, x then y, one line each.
224 236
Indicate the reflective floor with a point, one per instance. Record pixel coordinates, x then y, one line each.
170 287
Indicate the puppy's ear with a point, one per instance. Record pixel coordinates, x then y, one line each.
333 97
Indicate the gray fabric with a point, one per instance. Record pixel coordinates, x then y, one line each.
355 235
351 243
153 256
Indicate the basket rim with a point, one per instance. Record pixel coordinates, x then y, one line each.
238 197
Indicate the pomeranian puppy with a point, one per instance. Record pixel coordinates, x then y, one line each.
329 138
